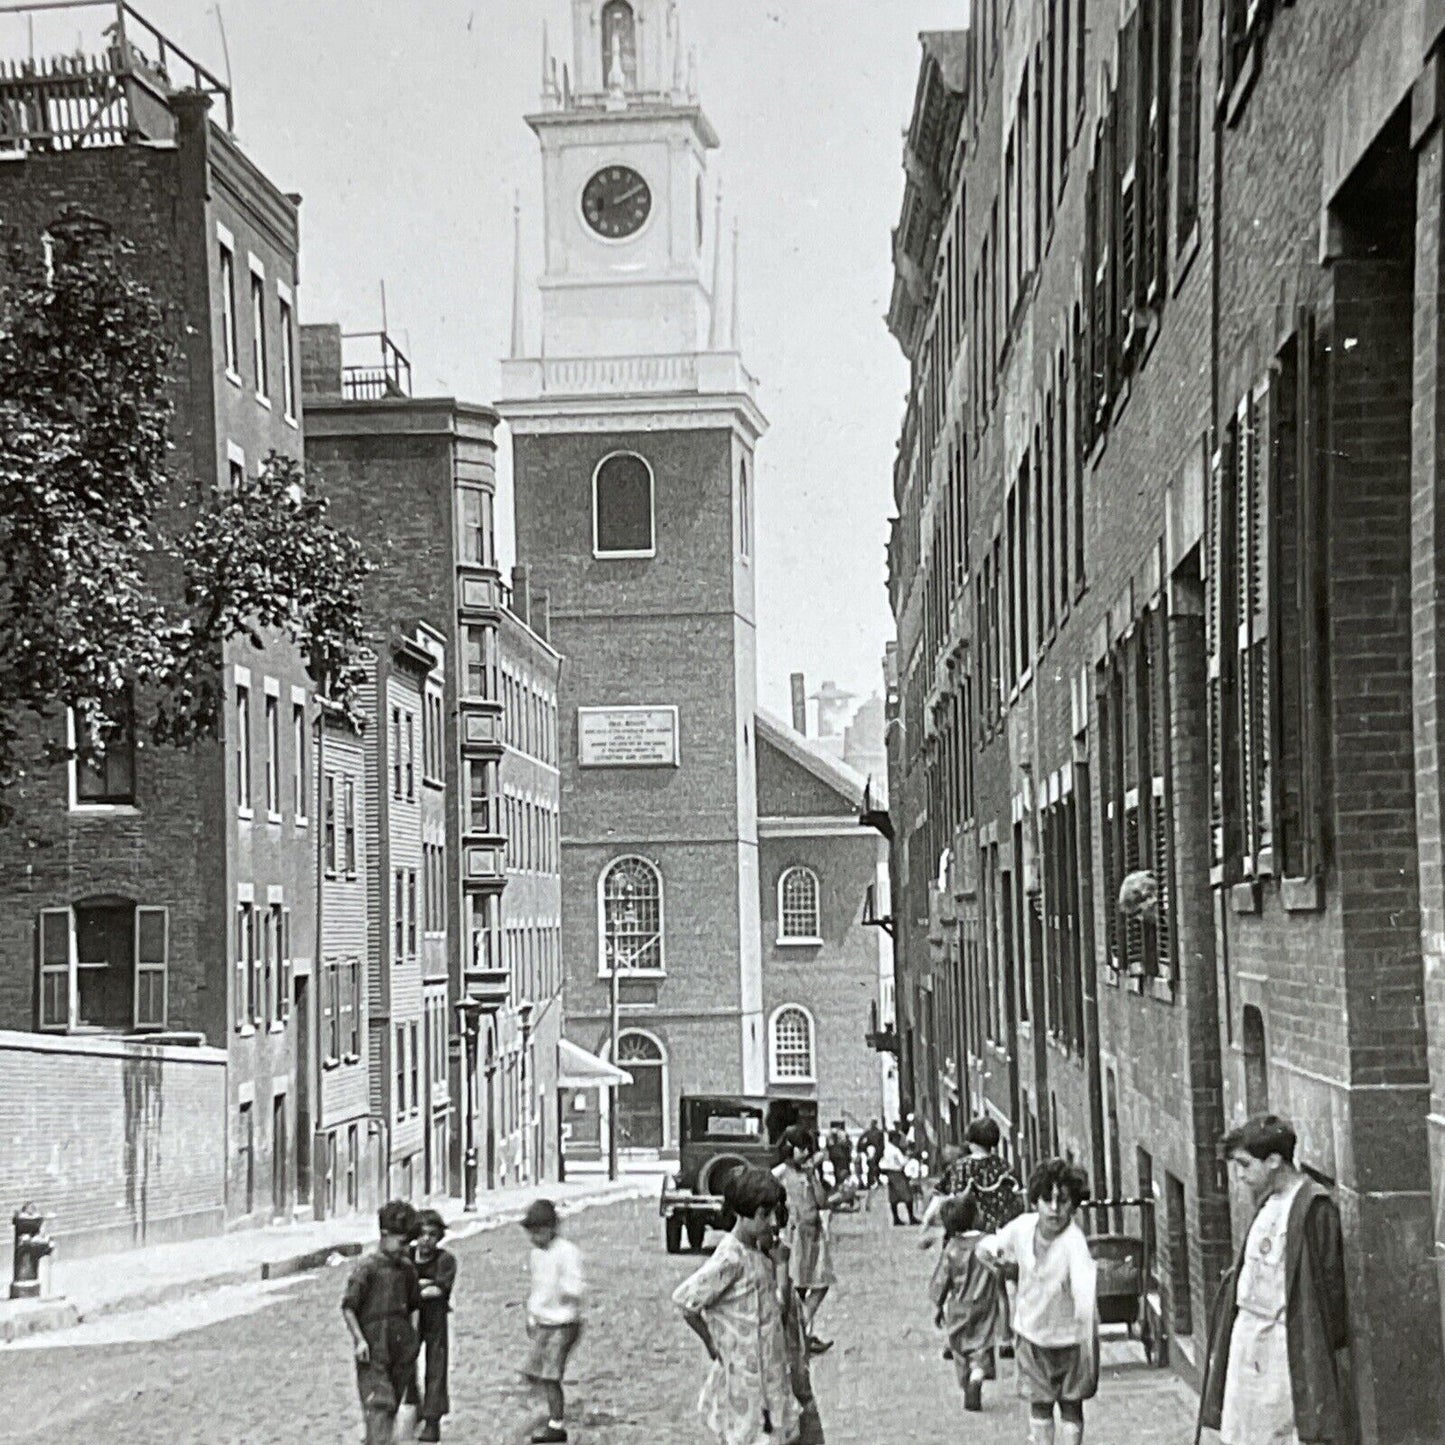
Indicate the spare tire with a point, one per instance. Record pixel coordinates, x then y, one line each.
713 1175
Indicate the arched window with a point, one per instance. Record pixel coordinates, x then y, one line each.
619 45
631 907
745 511
622 510
790 1037
798 920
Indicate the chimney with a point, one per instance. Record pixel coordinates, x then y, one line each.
321 360
800 703
522 592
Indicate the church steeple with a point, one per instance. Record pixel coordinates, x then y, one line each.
626 51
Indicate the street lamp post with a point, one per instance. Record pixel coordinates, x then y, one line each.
612 1098
469 1012
524 1022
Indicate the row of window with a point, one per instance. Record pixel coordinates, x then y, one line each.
529 717
261 995
533 835
792 1049
259 310
624 508
630 903
274 763
532 956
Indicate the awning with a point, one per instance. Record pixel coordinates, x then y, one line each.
577 1069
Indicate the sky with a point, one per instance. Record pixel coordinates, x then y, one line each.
400 123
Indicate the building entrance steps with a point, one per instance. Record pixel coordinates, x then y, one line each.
133 1279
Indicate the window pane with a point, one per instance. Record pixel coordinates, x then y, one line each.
105 954
792 1045
151 936
624 505
800 904
632 908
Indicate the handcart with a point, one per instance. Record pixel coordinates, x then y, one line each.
1125 1266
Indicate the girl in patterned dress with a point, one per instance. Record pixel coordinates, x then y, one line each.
731 1304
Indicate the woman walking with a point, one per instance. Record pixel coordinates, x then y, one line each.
810 1263
893 1166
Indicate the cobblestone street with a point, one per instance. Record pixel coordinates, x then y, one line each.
260 1364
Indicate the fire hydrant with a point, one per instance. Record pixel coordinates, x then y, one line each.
31 1246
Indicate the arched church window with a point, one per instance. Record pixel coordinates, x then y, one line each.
631 890
622 507
792 1045
798 906
619 45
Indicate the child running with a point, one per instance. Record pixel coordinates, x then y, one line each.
1056 1318
732 1305
436 1269
554 1314
968 1299
380 1307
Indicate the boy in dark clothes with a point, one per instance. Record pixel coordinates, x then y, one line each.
436 1268
380 1307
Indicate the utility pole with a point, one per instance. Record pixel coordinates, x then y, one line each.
612 1088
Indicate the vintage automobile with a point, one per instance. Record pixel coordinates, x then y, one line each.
716 1133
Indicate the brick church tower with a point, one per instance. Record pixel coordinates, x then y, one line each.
634 423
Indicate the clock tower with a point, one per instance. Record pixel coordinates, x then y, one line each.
634 423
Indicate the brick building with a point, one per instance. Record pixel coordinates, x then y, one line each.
823 964
172 893
1164 574
419 475
525 1101
634 425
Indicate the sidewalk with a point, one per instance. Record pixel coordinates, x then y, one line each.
104 1284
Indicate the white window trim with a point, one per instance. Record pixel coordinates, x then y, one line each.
227 240
245 811
773 1075
301 814
640 554
73 803
665 1065
290 381
814 940
602 970
234 455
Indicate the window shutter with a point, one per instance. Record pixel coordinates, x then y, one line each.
1161 842
56 940
1263 634
152 947
1308 482
1220 622
287 964
1109 813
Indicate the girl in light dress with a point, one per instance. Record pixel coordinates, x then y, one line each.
732 1305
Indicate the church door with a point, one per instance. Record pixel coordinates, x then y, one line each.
641 1104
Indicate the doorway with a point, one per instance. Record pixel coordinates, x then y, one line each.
303 1089
641 1105
278 1155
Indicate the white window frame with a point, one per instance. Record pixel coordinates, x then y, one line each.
73 799
800 940
70 969
300 801
235 458
775 1075
230 334
640 553
67 970
286 312
602 969
272 715
241 703
260 352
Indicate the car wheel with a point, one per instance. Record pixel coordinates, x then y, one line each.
673 1231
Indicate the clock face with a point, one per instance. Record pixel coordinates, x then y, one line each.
616 202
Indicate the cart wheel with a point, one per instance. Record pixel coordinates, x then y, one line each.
673 1231
696 1233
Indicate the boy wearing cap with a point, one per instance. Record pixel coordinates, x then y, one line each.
436 1269
554 1314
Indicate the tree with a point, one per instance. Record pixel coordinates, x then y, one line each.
121 580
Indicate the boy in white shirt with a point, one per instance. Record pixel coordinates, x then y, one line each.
554 1313
1056 1314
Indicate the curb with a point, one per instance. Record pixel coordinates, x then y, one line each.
48 1316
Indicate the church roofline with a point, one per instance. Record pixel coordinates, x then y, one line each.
792 744
634 114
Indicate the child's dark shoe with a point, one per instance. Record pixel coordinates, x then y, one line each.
973 1393
817 1346
430 1430
549 1435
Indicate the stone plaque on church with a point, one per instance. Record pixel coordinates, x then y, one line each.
627 737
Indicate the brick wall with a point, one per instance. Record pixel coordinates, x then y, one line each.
117 1142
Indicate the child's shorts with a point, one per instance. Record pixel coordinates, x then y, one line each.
1050 1373
551 1346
